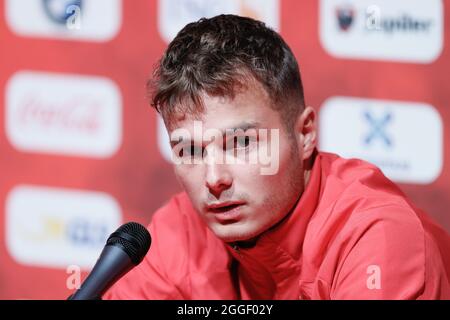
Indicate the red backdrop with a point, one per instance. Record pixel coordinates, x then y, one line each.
52 184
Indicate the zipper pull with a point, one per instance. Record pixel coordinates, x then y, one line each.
237 249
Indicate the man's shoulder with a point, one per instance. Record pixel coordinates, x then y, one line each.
358 186
178 223
176 216
360 198
184 243
166 266
364 220
177 207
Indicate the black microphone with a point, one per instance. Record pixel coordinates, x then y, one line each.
124 249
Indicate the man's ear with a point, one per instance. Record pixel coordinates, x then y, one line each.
306 130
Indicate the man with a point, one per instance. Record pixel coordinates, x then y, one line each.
304 225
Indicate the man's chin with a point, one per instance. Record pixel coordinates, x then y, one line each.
232 234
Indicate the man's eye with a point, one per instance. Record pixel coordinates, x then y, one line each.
191 151
241 142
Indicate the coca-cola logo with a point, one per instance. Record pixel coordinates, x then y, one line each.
82 115
63 114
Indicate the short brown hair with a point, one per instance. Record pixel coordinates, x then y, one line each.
216 56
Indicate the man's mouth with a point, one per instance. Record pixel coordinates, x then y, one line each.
224 207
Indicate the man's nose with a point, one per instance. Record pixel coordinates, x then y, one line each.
218 177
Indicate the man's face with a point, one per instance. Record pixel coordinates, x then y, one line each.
233 196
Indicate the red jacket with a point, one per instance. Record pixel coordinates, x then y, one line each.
353 235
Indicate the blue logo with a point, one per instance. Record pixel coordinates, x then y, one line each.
377 128
81 232
59 11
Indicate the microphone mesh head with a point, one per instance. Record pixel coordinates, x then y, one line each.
134 238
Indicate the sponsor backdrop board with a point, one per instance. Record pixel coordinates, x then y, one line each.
82 152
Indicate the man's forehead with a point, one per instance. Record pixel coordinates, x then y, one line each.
223 118
187 112
248 106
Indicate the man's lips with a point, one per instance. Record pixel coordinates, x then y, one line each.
223 207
